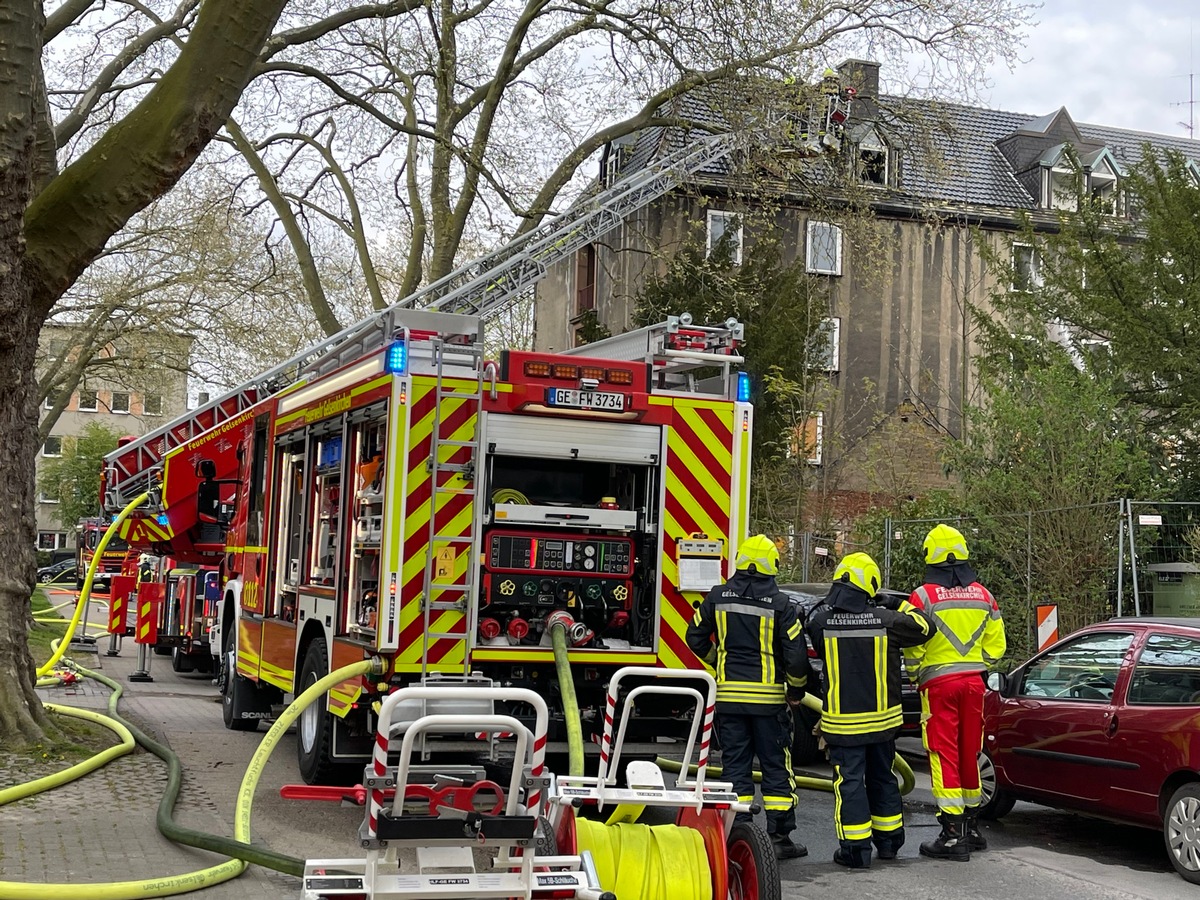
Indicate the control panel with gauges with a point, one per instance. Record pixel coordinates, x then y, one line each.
528 574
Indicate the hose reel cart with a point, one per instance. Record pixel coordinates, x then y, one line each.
541 843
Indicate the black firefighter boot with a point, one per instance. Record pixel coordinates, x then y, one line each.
975 839
952 843
786 848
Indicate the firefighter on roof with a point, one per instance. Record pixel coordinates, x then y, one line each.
761 663
860 643
968 640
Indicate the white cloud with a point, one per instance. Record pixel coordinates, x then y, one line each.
1109 63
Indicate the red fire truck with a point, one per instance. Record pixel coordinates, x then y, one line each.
87 538
434 508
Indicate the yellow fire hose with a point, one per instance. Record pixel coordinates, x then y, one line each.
86 593
170 885
899 765
566 687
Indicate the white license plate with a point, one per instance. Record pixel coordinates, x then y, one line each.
585 399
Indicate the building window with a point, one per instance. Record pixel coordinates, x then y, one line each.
824 249
873 160
43 497
152 404
51 540
585 279
1061 186
720 225
120 402
826 345
1102 186
808 439
51 399
1027 274
88 401
53 446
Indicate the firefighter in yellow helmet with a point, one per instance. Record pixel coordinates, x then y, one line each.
859 635
749 632
968 640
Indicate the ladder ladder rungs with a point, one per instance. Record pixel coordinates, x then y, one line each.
452 539
450 587
445 635
450 443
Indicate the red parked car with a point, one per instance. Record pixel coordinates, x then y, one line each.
1105 722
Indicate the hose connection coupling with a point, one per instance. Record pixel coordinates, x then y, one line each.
378 665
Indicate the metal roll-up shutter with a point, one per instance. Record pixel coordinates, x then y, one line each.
547 438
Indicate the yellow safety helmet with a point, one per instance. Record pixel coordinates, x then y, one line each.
945 543
762 552
861 571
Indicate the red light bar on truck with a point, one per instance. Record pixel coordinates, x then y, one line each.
522 366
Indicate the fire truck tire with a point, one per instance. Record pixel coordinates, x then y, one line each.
314 731
181 662
159 650
232 697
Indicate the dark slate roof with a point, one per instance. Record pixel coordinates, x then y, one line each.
965 166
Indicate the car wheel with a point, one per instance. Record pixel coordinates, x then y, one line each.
806 747
994 802
44 578
1181 831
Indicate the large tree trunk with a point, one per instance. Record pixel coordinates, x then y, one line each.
21 715
53 226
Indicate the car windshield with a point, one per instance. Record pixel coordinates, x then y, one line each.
1083 669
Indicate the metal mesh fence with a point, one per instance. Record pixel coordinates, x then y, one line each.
1163 545
1070 556
812 556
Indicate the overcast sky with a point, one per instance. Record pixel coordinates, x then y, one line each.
1109 62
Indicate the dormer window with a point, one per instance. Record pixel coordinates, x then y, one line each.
1062 189
1102 187
873 160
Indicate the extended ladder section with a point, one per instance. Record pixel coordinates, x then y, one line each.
441 593
483 288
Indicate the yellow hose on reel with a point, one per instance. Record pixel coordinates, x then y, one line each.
647 862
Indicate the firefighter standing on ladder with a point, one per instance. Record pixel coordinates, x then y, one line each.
969 640
860 643
761 664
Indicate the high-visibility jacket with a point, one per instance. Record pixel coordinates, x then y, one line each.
759 656
860 645
969 632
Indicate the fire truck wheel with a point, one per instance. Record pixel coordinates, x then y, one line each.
181 662
314 731
232 693
160 650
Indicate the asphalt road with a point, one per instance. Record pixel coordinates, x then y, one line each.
1035 852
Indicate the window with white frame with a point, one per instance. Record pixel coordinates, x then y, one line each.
1102 187
826 345
89 401
152 404
722 223
43 497
52 446
1027 274
1061 186
51 540
120 402
823 249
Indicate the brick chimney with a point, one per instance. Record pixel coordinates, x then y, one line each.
862 75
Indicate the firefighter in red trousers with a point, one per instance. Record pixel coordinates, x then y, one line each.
859 639
968 640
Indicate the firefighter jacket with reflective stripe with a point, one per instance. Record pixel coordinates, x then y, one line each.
758 655
969 633
860 646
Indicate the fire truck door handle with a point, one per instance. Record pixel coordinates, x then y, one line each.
566 516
